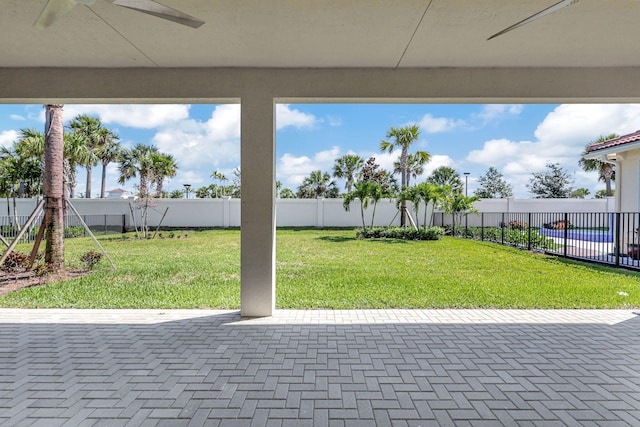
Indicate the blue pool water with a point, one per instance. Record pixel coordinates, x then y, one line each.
587 235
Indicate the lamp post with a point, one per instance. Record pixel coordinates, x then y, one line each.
186 189
466 183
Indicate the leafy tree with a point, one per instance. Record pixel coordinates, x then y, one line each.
493 185
318 184
554 182
580 193
345 167
423 193
606 171
445 175
402 140
371 172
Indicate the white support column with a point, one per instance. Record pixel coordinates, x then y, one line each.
258 214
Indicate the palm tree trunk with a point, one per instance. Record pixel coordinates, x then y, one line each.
88 192
53 187
103 182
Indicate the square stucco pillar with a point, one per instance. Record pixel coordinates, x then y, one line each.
258 214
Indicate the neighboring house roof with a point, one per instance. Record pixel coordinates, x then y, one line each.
619 144
119 190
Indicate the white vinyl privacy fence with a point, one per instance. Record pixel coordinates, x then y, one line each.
225 212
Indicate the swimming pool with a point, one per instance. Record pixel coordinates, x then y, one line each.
579 234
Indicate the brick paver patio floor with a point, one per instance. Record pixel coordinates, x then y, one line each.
335 368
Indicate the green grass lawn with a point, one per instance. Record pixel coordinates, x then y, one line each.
332 269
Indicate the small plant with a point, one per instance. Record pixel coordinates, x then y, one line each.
558 225
515 225
14 262
90 259
43 268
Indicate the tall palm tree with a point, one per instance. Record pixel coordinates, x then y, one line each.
606 171
76 154
402 139
53 187
162 166
415 165
138 162
219 176
94 135
345 167
108 153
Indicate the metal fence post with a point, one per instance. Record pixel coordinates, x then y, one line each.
566 228
124 223
617 237
502 230
529 231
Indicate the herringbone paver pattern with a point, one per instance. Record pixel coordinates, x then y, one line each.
319 368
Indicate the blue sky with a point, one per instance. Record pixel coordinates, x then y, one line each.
518 139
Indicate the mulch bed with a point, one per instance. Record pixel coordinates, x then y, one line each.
10 282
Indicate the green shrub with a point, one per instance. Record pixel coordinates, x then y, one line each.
403 233
90 259
14 262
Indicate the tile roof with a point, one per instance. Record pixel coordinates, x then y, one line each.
621 140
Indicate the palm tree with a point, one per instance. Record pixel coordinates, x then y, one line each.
76 154
108 153
137 162
53 187
317 184
445 175
365 191
345 167
606 171
162 166
402 139
94 135
415 163
219 176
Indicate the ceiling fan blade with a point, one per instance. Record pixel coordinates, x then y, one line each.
560 5
53 10
159 10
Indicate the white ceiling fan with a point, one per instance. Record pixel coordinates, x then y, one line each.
560 5
56 8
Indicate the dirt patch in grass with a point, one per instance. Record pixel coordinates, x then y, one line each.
10 282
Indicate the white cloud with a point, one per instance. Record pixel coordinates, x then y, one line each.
285 117
493 112
560 138
203 144
432 124
293 169
7 137
17 117
139 116
334 121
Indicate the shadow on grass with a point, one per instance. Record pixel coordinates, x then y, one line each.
342 239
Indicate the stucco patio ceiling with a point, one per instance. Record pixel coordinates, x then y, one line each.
333 33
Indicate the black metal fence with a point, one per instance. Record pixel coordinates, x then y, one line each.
606 238
10 226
